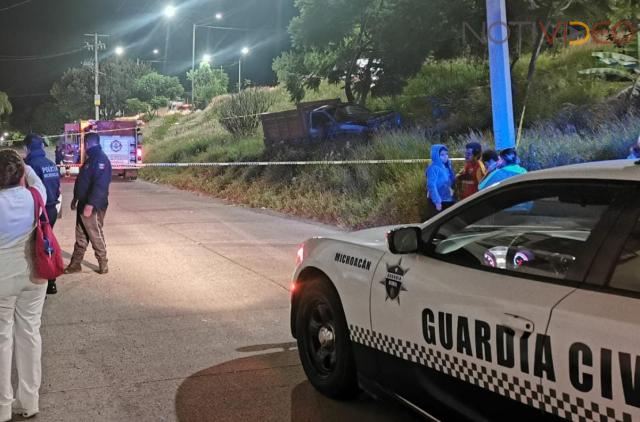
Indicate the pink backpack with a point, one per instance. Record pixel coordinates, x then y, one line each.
48 255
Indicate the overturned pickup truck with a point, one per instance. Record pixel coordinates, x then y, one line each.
323 120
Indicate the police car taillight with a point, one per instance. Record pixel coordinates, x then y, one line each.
300 255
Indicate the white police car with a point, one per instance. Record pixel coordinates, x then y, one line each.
520 303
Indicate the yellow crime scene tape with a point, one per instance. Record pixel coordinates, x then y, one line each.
271 163
10 143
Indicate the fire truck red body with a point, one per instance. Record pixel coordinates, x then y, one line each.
121 141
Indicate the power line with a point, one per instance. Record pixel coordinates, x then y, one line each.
15 5
229 28
42 57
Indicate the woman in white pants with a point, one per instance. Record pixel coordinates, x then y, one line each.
21 300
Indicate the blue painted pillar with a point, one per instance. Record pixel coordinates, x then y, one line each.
501 95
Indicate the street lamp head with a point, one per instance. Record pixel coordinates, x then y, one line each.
219 16
119 50
156 51
206 58
170 11
245 51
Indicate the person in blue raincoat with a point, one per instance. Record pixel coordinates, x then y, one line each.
509 167
634 151
440 181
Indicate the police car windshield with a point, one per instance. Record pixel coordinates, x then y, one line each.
548 228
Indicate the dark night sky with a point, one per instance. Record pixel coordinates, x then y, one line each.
48 27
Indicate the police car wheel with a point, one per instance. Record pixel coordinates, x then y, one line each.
323 341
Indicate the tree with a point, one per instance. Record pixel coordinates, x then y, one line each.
619 67
74 91
117 84
135 106
48 118
5 105
155 104
550 16
154 85
627 10
299 71
207 83
371 46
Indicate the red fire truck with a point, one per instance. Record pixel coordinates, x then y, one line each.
121 140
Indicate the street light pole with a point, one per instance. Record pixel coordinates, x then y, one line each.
239 74
193 54
169 13
166 48
218 16
243 52
193 62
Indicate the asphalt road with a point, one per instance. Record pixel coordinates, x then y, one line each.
191 323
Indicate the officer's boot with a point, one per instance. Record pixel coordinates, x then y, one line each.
103 267
73 268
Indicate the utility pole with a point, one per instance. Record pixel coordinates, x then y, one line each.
97 45
240 75
193 63
166 48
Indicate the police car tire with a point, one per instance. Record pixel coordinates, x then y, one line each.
341 382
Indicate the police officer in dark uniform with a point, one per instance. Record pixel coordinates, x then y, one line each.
91 199
59 153
48 172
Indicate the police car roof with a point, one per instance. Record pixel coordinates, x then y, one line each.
605 170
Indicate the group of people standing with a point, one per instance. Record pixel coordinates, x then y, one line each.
481 170
22 295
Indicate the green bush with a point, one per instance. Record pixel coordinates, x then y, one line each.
545 147
453 92
240 113
136 106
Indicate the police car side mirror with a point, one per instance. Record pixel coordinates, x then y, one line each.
404 240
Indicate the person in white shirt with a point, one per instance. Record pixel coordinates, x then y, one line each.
21 300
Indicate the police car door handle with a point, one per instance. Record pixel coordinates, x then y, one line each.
518 323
